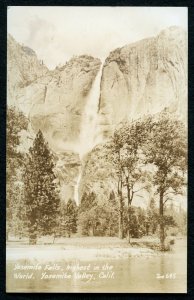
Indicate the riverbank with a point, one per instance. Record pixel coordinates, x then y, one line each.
83 248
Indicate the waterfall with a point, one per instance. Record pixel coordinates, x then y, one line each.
88 129
76 189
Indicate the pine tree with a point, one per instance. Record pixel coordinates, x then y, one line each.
70 218
88 201
42 201
112 211
88 213
16 122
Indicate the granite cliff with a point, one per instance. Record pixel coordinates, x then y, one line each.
145 77
78 105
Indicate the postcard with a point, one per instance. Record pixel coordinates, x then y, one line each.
96 181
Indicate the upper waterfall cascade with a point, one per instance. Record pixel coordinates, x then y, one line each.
88 132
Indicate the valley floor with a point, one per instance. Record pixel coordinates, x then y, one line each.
83 248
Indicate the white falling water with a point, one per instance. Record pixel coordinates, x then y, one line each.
88 130
76 189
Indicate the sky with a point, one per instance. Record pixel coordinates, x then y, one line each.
58 33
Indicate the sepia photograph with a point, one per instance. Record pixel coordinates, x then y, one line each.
96 149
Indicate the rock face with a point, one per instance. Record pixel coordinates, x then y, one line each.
67 169
75 103
103 180
53 100
58 110
145 77
23 69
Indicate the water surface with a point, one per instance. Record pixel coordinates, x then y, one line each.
162 273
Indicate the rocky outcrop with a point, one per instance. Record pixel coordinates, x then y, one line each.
98 174
145 77
23 69
67 169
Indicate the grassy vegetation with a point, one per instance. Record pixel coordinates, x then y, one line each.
150 242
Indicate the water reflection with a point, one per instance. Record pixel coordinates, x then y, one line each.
135 274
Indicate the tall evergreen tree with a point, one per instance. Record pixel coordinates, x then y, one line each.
41 196
88 214
70 218
112 211
16 122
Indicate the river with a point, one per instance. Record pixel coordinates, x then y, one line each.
166 273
